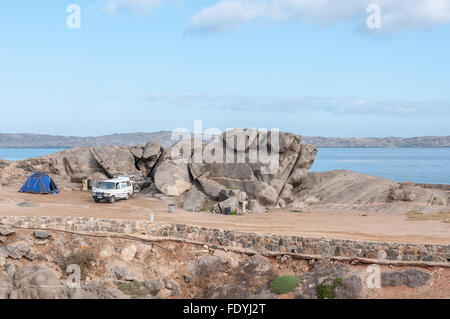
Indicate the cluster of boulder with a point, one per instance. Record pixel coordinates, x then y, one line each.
241 170
186 168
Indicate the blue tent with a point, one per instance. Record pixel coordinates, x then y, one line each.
39 183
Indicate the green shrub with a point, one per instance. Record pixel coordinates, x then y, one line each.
133 289
233 213
284 284
327 291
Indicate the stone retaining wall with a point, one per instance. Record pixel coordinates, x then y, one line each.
258 242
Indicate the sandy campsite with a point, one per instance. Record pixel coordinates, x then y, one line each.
313 222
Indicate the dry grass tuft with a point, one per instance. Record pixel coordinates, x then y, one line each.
415 215
83 258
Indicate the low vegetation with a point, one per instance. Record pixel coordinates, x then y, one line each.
328 291
284 284
415 215
81 257
133 289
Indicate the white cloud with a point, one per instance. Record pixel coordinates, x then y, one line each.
140 6
350 105
397 15
227 15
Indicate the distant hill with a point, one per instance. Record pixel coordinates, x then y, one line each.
52 141
128 139
423 141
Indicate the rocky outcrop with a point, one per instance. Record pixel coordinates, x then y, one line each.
348 188
264 166
4 164
342 187
87 163
241 160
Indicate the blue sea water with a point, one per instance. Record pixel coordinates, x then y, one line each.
420 165
17 154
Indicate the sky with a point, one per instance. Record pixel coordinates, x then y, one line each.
312 67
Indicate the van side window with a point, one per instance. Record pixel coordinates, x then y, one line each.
128 183
123 185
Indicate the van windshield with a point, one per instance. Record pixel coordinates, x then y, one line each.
107 185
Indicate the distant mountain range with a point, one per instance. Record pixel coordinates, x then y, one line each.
164 137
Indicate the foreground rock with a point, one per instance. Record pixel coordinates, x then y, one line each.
411 278
247 279
15 251
37 282
121 268
6 232
42 234
327 280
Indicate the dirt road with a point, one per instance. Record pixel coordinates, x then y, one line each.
319 223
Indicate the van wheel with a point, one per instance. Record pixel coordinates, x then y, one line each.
97 200
127 197
112 200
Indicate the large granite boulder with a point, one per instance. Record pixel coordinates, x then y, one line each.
171 174
115 160
195 200
172 179
68 163
137 151
152 150
211 188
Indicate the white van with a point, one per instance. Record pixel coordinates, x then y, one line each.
113 189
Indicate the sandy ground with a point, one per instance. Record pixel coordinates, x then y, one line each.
348 224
